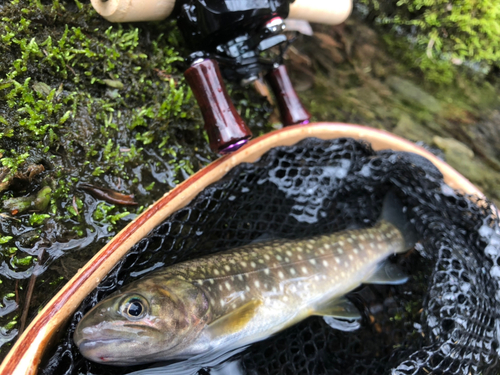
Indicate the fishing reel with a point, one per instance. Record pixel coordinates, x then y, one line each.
227 38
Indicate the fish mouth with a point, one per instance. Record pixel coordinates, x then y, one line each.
93 349
85 343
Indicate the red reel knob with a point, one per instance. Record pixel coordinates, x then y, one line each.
291 109
226 129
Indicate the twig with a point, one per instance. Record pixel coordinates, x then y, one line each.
17 292
29 293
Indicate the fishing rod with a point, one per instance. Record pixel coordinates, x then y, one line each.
227 38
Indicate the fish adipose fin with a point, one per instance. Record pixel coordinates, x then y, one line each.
393 213
234 321
340 308
387 273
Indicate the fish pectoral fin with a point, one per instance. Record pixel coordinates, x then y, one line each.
235 320
342 325
340 308
387 273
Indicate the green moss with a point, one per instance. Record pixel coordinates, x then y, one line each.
444 34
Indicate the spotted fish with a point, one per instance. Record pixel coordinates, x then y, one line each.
233 298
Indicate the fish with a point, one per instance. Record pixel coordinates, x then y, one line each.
234 298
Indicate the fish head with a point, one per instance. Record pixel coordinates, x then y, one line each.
150 320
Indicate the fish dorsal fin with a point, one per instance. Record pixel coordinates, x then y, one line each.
235 320
387 273
339 308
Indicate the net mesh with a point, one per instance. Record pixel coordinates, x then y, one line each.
443 321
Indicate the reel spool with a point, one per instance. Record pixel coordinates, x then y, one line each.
227 38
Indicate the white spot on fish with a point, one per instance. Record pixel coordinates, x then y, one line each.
227 268
351 257
361 237
243 264
341 243
289 253
355 251
287 259
261 261
337 260
216 272
325 263
266 271
267 257
253 264
242 296
285 298
304 270
228 286
279 258
222 303
346 264
299 249
281 275
340 251
274 289
247 288
220 286
240 276
257 284
350 240
211 281
312 261
299 257
292 271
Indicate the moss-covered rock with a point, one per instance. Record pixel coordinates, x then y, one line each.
442 34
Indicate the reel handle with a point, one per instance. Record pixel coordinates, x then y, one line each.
291 109
225 128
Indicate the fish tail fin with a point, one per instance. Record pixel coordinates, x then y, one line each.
393 211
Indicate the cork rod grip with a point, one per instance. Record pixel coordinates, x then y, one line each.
134 10
330 12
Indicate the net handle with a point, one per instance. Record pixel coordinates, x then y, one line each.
26 354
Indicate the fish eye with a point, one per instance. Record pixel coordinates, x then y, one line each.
134 308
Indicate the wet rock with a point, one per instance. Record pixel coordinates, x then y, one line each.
412 130
450 145
461 157
413 94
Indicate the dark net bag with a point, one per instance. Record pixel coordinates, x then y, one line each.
444 320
